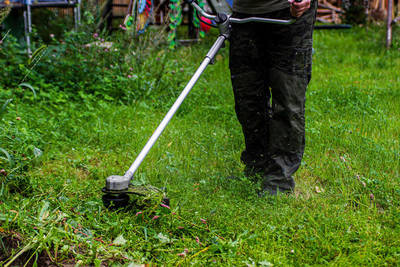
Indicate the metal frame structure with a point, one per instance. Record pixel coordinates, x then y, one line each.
389 24
116 184
28 5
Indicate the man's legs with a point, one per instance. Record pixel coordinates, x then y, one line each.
289 51
251 94
265 55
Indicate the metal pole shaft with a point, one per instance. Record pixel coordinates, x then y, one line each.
78 9
27 28
212 52
389 24
75 18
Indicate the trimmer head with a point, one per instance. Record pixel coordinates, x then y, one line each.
117 182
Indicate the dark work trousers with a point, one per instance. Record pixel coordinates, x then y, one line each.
270 70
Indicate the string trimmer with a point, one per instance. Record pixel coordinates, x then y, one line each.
118 187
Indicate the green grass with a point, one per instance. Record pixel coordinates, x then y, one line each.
344 211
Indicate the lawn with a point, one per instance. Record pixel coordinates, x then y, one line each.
344 211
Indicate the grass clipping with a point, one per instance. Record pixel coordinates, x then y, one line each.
148 197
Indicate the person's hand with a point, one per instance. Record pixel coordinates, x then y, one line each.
298 8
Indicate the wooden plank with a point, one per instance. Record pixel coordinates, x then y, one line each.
331 7
324 20
119 11
324 11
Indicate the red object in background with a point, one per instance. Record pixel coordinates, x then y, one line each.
204 27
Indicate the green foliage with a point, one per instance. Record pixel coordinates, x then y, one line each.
4 13
48 23
89 65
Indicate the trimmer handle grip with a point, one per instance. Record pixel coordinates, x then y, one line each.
224 18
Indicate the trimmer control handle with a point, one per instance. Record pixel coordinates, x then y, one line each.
200 10
221 19
263 20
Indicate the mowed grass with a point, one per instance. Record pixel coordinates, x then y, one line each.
344 211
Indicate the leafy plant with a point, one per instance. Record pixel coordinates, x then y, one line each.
4 13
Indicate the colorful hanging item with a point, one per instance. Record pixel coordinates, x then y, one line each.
196 21
139 14
203 26
129 20
145 9
175 19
